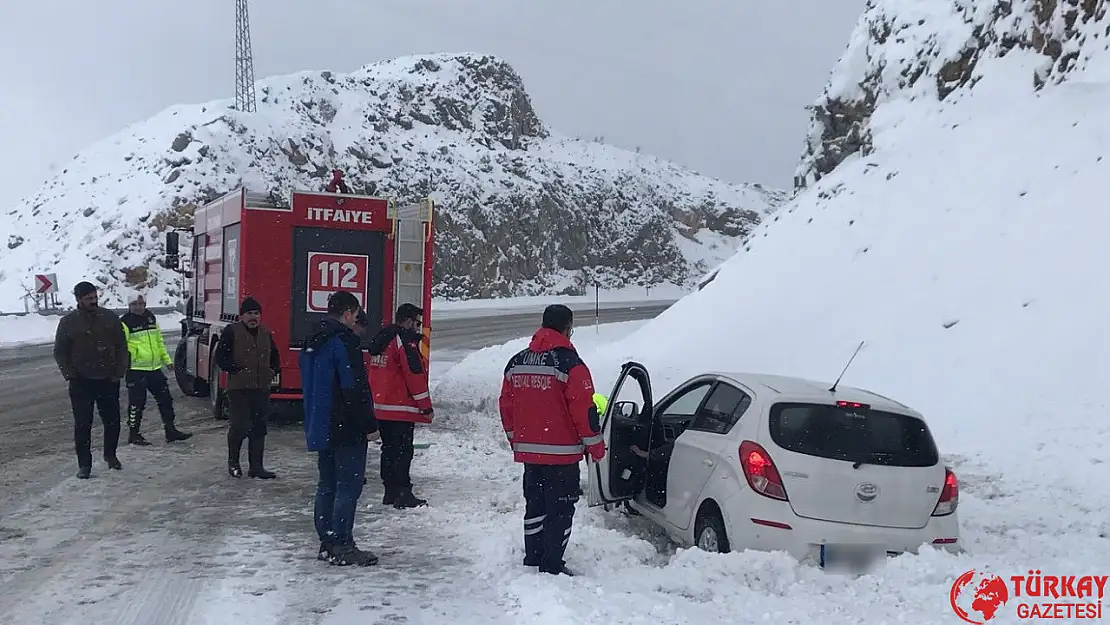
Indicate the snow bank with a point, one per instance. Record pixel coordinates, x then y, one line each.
967 250
39 329
607 298
476 379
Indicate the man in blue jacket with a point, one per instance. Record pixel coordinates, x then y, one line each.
339 420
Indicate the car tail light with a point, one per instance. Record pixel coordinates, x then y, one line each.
852 404
760 471
949 495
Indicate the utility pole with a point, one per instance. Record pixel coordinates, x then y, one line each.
244 60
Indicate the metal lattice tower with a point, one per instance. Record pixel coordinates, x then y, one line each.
244 60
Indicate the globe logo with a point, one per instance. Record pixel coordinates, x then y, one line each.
976 596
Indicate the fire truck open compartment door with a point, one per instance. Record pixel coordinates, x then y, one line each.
326 260
413 224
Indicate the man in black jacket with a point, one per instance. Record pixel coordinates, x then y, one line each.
251 358
91 352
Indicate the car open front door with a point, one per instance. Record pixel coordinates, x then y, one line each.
620 474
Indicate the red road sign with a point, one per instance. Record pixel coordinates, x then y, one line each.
45 283
328 273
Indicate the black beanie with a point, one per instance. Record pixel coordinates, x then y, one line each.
557 317
250 305
83 288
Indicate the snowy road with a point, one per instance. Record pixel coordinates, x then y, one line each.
171 540
35 412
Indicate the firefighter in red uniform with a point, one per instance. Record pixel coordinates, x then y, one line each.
399 381
550 419
337 185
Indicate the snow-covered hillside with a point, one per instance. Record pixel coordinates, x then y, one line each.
912 50
522 210
967 247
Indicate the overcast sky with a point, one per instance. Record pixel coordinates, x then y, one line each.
719 86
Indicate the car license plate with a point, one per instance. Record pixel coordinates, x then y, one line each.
851 558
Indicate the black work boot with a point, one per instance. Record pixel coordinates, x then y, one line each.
390 497
256 449
113 463
560 570
349 555
405 499
134 437
173 434
83 473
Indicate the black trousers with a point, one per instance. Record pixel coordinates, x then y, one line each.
550 492
250 409
138 383
396 454
84 395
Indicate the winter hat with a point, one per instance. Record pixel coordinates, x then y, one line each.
83 288
136 297
250 305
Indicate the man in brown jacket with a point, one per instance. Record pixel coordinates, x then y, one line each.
251 358
91 352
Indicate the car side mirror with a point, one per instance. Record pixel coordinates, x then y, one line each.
626 409
172 250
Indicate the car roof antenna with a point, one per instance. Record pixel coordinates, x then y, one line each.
832 389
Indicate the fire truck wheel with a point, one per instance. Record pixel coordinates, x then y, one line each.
190 385
220 408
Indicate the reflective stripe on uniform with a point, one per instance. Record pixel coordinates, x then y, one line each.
537 370
555 450
397 408
593 440
420 396
534 525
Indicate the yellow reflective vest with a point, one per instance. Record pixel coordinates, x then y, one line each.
602 402
144 342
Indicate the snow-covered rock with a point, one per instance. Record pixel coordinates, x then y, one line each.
522 209
910 50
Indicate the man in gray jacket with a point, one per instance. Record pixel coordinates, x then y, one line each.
91 352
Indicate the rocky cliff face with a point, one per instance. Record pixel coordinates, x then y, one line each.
911 49
522 209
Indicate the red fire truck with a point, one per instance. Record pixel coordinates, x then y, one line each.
290 256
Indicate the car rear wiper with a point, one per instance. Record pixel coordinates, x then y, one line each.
880 455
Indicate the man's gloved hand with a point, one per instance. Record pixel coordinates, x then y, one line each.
596 451
430 413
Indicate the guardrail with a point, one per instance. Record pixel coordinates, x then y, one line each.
158 310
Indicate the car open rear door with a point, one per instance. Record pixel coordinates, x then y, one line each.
619 475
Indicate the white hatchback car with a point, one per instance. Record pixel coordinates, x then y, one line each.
733 461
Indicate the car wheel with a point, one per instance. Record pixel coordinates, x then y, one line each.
709 531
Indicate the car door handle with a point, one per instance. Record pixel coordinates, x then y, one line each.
707 462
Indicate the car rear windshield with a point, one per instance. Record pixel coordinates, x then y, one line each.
856 435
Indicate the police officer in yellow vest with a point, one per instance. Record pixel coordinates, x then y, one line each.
148 355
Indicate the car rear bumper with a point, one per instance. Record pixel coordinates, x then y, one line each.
771 525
